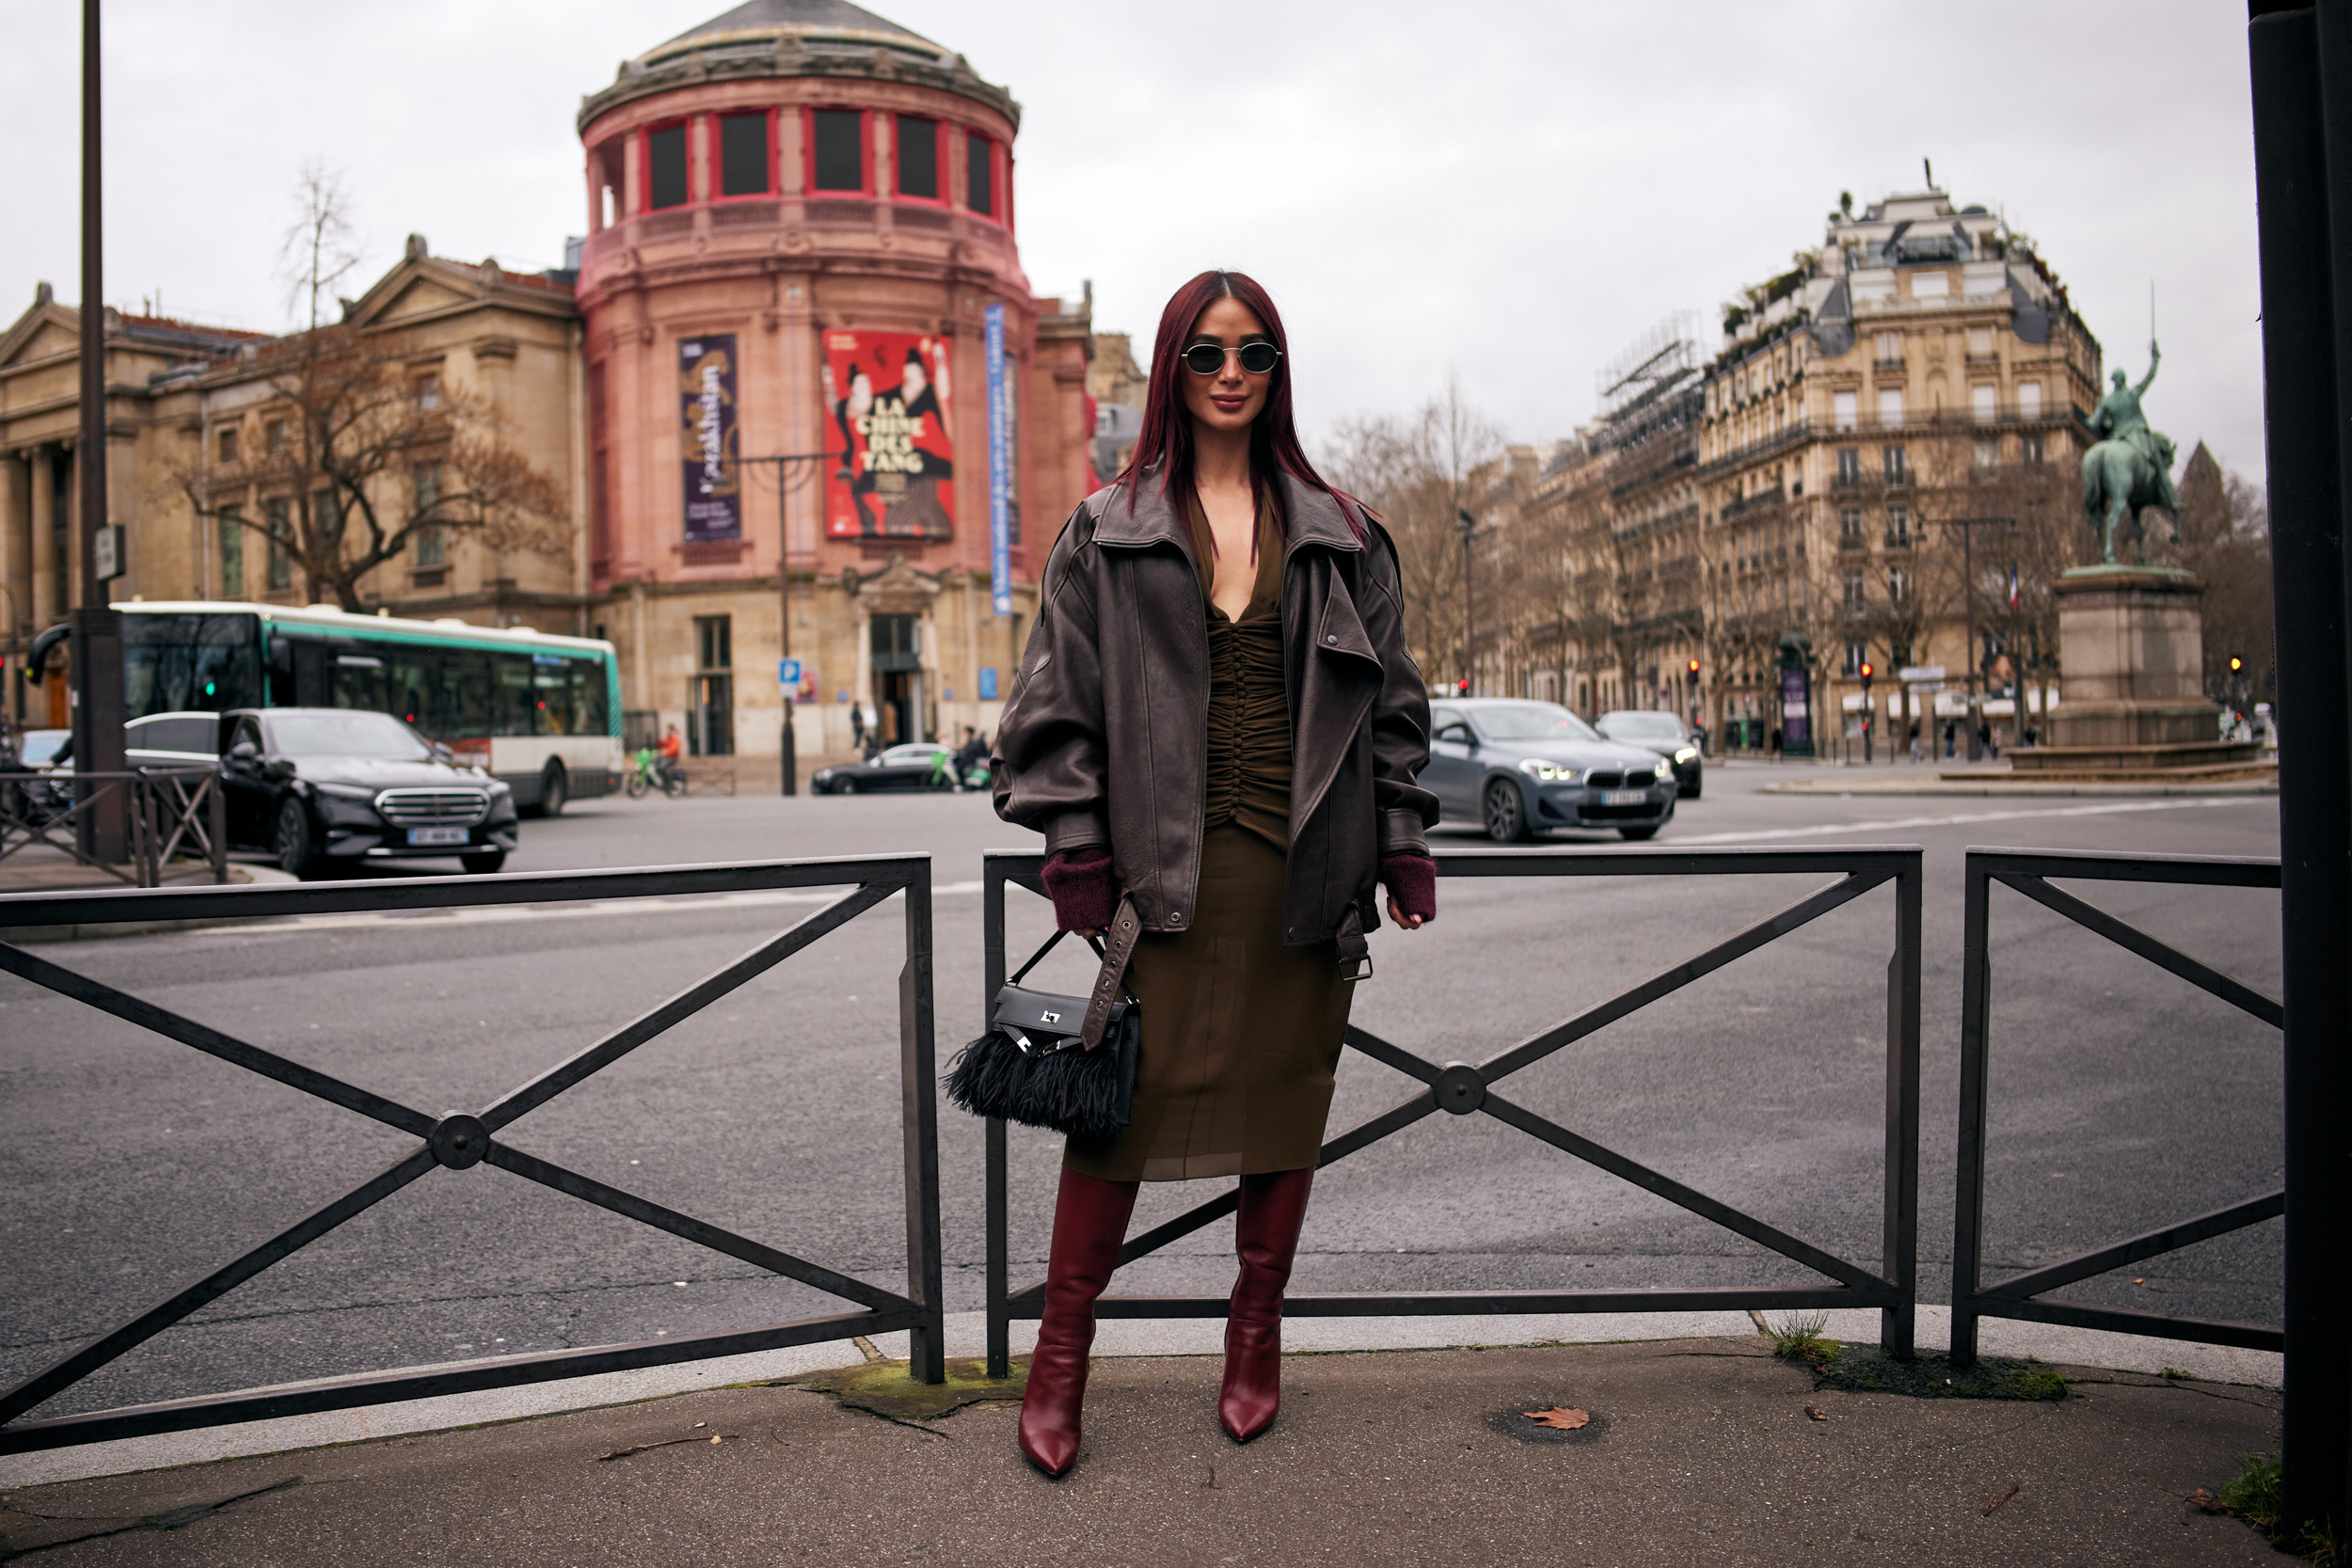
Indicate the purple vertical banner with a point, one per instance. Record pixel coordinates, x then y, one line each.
1796 708
714 480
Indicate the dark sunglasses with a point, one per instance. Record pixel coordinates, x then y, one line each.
1209 358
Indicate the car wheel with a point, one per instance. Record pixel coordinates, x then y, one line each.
297 853
847 787
1640 835
484 862
555 790
1507 812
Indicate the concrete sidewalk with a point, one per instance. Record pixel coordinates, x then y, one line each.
1696 1451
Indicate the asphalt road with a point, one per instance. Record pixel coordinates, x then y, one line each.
2122 1099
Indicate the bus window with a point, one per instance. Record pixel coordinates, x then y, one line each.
510 708
407 677
589 715
183 663
552 693
459 708
359 682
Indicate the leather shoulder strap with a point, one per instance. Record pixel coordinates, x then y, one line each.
1119 946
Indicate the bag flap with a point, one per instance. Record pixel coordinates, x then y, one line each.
1040 1011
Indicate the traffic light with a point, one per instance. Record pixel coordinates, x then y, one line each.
2237 664
1461 688
1694 668
1867 672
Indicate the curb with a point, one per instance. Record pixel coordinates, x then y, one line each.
2248 789
239 874
966 1335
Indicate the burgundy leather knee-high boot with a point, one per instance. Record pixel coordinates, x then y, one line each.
1090 1224
1273 1208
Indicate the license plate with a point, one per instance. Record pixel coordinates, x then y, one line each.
1624 798
437 835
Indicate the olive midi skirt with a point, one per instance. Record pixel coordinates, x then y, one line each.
1241 1034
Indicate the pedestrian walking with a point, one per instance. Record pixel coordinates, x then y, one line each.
1241 941
1984 737
857 729
1951 737
1919 752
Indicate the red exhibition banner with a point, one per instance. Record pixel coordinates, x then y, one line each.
890 412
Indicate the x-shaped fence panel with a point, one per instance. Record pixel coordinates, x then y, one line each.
458 1140
1465 1089
171 811
2028 871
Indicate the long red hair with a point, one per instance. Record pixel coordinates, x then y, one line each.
1166 439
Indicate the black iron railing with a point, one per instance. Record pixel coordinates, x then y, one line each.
172 812
458 1140
2028 871
1463 1088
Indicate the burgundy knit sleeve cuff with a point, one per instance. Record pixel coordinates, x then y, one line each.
1084 888
1412 883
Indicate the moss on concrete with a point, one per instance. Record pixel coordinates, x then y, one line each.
883 1387
1867 1369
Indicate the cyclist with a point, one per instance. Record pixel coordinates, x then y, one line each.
671 749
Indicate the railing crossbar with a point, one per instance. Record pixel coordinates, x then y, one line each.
1627 1003
627 1038
2162 954
2155 1325
1673 1192
199 1037
2153 1244
46 1384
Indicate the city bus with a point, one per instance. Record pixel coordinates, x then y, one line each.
539 711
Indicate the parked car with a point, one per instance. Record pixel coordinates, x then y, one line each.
174 740
1665 733
919 765
1517 768
46 755
317 786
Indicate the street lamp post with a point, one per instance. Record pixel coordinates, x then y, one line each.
102 830
1468 525
786 481
1968 527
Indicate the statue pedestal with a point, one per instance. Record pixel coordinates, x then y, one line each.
2132 647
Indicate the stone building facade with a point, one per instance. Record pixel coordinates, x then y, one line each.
823 203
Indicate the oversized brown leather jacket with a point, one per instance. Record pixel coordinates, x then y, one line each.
1103 740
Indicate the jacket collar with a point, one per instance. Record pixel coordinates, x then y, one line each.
1312 516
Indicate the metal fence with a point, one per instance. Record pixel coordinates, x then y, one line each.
457 1140
173 813
1463 1088
2029 872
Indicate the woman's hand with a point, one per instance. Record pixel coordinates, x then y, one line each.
1411 922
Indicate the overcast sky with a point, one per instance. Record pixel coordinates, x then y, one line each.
1511 193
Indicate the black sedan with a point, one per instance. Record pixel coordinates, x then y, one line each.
1517 768
921 765
320 785
1664 734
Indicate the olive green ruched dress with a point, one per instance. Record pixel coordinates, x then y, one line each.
1241 1034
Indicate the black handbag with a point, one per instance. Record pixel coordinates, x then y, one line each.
1033 1066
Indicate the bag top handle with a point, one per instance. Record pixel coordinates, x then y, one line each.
1038 957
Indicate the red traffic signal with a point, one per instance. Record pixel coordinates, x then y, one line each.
1461 688
1694 668
1867 671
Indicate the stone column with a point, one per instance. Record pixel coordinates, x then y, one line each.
43 553
16 548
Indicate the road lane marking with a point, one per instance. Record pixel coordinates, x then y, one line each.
1831 829
520 913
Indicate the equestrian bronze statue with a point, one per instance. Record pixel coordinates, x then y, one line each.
2130 467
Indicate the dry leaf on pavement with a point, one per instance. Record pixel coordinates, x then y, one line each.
1814 1411
1566 1420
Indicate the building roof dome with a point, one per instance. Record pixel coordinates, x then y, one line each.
761 24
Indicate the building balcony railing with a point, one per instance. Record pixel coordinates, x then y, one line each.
1899 541
1892 366
1861 427
1756 501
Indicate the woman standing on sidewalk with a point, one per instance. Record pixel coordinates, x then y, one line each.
1216 727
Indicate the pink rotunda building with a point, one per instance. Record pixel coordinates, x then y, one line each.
826 420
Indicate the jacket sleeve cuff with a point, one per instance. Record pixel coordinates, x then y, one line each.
1402 833
1413 884
1076 830
1084 888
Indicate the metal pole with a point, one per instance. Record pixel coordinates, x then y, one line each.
789 763
1968 591
97 629
1470 624
2303 193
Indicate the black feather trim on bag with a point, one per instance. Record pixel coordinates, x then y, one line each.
1033 1067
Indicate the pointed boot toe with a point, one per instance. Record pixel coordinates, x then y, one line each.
1248 1416
1051 1447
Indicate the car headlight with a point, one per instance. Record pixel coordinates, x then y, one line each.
498 788
1665 770
345 792
1688 754
1550 772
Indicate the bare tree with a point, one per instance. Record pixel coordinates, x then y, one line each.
2225 539
320 246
